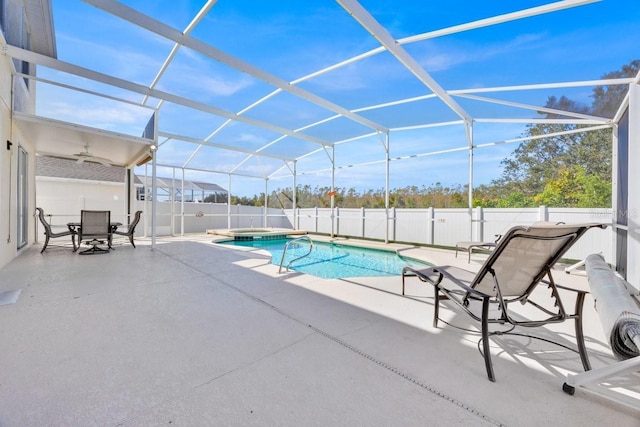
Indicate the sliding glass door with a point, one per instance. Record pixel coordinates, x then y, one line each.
23 198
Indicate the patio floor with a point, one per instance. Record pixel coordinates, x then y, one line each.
193 333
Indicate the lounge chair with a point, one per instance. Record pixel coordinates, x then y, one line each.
522 259
131 229
95 228
50 234
469 246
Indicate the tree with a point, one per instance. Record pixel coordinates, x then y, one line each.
606 99
575 188
553 170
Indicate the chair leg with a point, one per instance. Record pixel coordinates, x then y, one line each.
485 340
95 249
582 349
73 240
46 242
131 240
436 305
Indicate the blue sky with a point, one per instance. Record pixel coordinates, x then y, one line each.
291 39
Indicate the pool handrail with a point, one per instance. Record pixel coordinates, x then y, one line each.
305 237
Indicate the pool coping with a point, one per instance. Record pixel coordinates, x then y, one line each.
257 231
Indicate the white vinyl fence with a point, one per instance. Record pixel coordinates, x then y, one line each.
428 226
445 227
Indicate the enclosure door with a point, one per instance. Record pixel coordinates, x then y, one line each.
22 198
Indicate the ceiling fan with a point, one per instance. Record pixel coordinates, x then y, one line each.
86 155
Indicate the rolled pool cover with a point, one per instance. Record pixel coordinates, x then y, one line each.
619 313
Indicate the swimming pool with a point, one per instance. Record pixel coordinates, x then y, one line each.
332 261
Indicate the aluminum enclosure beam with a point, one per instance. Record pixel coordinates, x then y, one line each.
131 15
66 67
367 21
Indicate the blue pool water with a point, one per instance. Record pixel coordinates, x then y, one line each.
332 261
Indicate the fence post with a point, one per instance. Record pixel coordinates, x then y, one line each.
479 227
265 214
431 221
362 221
393 224
315 216
543 213
337 212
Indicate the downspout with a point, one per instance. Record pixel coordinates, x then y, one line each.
9 145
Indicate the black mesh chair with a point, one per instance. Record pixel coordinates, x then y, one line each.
131 229
49 234
95 230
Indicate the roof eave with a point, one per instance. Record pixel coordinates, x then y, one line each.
40 16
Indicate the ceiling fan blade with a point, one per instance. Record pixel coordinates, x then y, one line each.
103 162
82 157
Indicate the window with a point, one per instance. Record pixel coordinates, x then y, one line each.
2 18
26 44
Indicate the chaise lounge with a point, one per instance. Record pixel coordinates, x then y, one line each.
521 260
470 246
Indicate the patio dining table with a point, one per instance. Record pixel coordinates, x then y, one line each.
75 226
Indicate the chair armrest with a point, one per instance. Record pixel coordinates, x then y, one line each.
423 274
427 275
468 289
568 288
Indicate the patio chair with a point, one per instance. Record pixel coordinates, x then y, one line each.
131 228
469 246
95 228
522 259
48 233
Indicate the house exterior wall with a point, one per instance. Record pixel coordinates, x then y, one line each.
15 94
8 169
633 195
6 179
63 199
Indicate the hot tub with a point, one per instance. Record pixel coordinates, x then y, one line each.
256 233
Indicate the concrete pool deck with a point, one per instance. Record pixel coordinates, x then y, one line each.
193 333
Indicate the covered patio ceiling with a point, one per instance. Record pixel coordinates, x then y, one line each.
276 89
57 138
